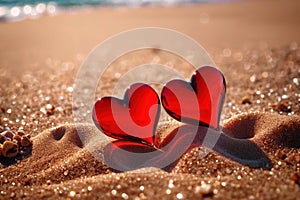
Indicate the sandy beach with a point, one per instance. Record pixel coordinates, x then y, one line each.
254 43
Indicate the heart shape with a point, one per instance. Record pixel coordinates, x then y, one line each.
133 118
198 102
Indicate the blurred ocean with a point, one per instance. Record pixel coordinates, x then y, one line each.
12 10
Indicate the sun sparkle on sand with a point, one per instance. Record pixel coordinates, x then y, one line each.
262 104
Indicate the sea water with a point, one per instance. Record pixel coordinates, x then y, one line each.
12 10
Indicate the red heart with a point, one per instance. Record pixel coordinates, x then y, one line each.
133 118
198 102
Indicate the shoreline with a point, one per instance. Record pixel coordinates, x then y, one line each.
215 27
28 11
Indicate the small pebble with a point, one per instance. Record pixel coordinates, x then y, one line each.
50 109
296 178
25 141
10 149
206 189
8 134
12 144
26 181
12 195
246 100
17 138
292 159
282 106
179 196
20 133
72 193
281 154
16 142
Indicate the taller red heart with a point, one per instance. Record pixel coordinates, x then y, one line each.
132 118
199 101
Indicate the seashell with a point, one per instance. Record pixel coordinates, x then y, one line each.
17 138
25 141
20 133
10 149
8 134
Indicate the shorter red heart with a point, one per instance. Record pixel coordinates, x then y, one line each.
198 102
132 118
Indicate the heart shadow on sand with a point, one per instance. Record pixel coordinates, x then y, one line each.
249 139
122 155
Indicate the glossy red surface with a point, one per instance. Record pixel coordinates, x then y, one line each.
198 102
133 118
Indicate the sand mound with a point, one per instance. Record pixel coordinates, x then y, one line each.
61 165
265 129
